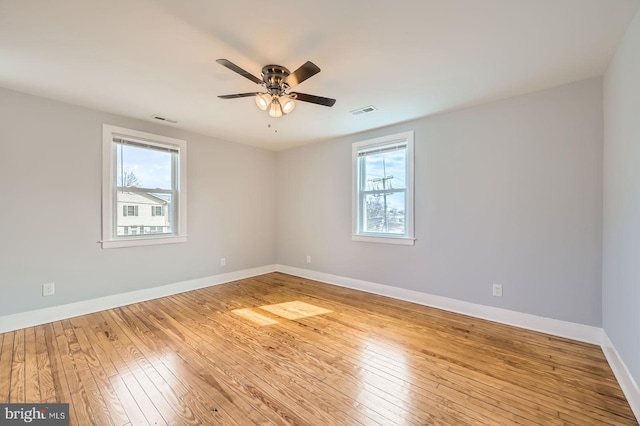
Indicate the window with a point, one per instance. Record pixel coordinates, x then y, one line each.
129 210
143 188
383 190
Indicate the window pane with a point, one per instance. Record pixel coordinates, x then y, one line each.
134 213
384 213
384 171
143 168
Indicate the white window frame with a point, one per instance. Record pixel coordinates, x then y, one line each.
109 185
356 214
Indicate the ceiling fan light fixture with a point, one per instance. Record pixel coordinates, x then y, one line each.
276 109
287 104
263 101
277 80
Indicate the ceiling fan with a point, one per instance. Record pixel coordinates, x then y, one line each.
277 80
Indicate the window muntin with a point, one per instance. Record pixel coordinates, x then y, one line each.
383 189
144 188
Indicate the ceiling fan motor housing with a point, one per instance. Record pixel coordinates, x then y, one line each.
273 77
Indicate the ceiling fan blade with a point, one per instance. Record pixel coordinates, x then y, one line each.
233 67
313 99
239 95
308 69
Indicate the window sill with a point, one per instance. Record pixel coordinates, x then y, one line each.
134 242
384 240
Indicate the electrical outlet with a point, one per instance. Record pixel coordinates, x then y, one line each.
497 290
48 289
308 259
223 261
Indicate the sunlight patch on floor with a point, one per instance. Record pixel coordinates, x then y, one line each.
295 310
255 317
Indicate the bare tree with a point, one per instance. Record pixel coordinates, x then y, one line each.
129 178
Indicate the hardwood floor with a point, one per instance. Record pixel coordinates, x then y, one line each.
281 350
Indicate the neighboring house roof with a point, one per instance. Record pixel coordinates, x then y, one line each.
140 198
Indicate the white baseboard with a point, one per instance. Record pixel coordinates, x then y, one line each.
625 379
580 332
56 313
569 330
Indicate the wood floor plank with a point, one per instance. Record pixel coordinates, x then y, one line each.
106 397
60 382
18 379
92 329
32 392
77 394
178 411
140 396
47 387
282 350
6 358
130 406
83 368
144 392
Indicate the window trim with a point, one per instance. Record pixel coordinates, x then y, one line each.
109 184
408 238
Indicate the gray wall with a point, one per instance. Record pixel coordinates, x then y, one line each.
508 192
621 235
50 175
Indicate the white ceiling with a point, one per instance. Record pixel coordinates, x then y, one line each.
408 58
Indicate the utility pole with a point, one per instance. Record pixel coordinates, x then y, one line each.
384 194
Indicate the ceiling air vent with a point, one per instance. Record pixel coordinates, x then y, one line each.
364 110
161 118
